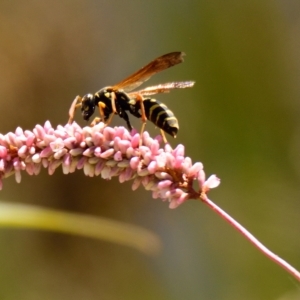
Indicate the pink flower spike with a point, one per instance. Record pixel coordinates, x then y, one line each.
163 175
118 156
148 158
120 131
81 162
179 150
2 165
11 139
89 152
102 150
143 172
155 194
123 146
21 152
46 152
88 170
18 176
123 163
99 166
53 166
70 142
39 131
164 184
178 198
78 136
45 163
17 164
168 148
212 182
186 165
48 138
150 185
201 178
47 126
125 175
67 160
133 132
115 171
134 163
111 163
36 158
109 133
65 169
154 147
152 167
97 151
178 162
161 160
195 169
122 177
107 153
158 138
73 165
93 160
3 141
89 141
76 151
36 169
173 204
136 183
30 139
19 131
3 152
32 150
105 173
60 153
135 140
57 145
98 138
29 169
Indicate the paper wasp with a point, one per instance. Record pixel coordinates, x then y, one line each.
116 99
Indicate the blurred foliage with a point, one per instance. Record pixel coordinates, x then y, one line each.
240 120
29 216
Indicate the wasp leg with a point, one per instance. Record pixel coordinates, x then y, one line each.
95 121
124 116
163 136
101 107
113 106
113 102
75 104
139 98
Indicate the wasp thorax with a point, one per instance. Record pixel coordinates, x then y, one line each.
105 92
87 106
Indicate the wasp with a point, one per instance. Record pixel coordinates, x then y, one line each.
118 99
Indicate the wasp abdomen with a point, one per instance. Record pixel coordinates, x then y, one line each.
161 116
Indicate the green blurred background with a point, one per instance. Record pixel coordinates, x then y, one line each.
241 120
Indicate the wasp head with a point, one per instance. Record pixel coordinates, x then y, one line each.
87 106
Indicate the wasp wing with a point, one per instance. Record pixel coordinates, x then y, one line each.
159 64
162 88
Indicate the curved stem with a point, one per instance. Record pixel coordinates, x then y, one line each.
282 263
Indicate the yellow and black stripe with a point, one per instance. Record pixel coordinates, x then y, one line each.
161 116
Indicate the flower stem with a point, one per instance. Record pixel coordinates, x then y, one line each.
282 263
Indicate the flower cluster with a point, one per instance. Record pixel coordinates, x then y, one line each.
105 151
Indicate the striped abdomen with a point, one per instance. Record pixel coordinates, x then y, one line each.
161 116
